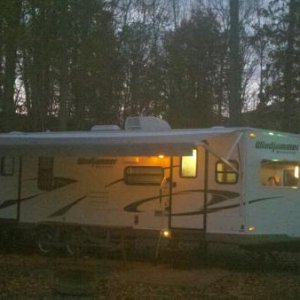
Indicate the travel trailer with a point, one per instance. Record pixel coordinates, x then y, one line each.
233 185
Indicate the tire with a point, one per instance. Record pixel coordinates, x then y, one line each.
72 249
45 242
73 244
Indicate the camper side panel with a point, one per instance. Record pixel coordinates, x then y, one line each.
92 191
273 193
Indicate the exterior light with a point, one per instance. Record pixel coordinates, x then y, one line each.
251 228
271 133
161 156
252 135
166 233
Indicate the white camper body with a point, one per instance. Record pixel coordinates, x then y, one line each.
237 185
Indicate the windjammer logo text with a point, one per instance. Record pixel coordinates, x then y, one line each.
276 146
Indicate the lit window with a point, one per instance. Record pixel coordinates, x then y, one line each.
143 175
188 166
7 166
280 173
225 174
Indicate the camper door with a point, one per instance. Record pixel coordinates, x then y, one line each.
9 185
188 190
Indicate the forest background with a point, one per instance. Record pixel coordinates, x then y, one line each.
70 64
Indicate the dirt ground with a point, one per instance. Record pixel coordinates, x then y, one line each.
33 276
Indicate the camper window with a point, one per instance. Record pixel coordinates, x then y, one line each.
280 173
225 174
145 175
7 166
188 165
45 173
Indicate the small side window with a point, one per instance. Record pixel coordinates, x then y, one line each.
7 166
45 173
143 175
225 174
188 165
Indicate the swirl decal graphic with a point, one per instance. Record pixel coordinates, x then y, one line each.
217 196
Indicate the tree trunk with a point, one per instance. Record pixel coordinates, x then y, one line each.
10 51
63 95
235 105
1 55
289 119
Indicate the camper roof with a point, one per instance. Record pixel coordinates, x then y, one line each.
107 143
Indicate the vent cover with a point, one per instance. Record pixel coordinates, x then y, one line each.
146 124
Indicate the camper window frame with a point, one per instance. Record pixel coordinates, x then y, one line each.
226 172
196 167
125 176
4 163
282 181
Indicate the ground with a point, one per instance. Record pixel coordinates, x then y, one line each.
32 276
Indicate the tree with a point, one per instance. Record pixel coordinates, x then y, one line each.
194 55
37 52
290 72
283 65
10 28
235 103
93 55
97 61
141 53
68 69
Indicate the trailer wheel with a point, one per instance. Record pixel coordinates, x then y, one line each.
72 249
45 242
73 244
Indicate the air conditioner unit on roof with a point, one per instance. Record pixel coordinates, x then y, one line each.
146 124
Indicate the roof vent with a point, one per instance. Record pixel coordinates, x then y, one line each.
105 128
146 124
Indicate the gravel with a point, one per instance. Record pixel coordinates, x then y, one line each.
33 277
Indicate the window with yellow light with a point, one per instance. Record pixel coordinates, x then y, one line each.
188 165
225 174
